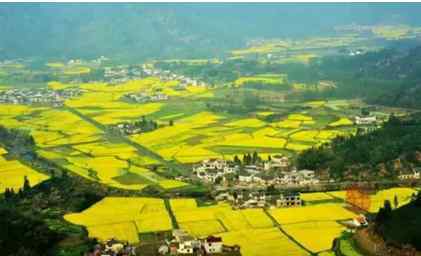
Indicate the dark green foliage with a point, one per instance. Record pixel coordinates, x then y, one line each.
26 185
24 234
402 225
365 152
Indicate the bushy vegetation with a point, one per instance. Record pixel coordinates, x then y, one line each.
390 223
368 153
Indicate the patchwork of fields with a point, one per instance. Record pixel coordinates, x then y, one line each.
75 136
82 148
281 231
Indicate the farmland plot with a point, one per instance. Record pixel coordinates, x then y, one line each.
128 216
12 174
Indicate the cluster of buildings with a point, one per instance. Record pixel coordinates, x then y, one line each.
414 174
98 61
276 171
166 75
365 120
182 243
293 178
260 199
112 247
38 96
129 128
122 73
144 97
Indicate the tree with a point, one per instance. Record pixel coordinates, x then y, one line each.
269 158
92 173
7 194
255 157
249 158
387 207
26 185
396 202
235 195
245 160
271 190
237 160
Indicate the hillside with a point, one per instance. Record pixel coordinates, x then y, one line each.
388 77
381 153
408 216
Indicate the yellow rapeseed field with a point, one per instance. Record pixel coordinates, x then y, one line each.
12 175
296 146
3 151
55 65
293 124
308 136
377 199
125 231
316 235
186 210
263 79
76 70
248 122
262 242
318 212
171 184
343 121
316 103
203 228
403 195
137 213
299 117
316 196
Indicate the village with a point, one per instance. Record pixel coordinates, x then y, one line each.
134 127
276 170
182 243
54 98
123 73
143 97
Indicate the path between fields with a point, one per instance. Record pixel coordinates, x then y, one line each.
286 234
172 166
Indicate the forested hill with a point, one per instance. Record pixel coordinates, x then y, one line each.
135 31
389 77
384 152
390 223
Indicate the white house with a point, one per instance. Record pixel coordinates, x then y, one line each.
277 161
410 175
245 178
186 243
289 200
365 120
213 244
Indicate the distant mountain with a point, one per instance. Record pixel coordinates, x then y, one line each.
138 31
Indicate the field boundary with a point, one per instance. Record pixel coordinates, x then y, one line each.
139 148
292 239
